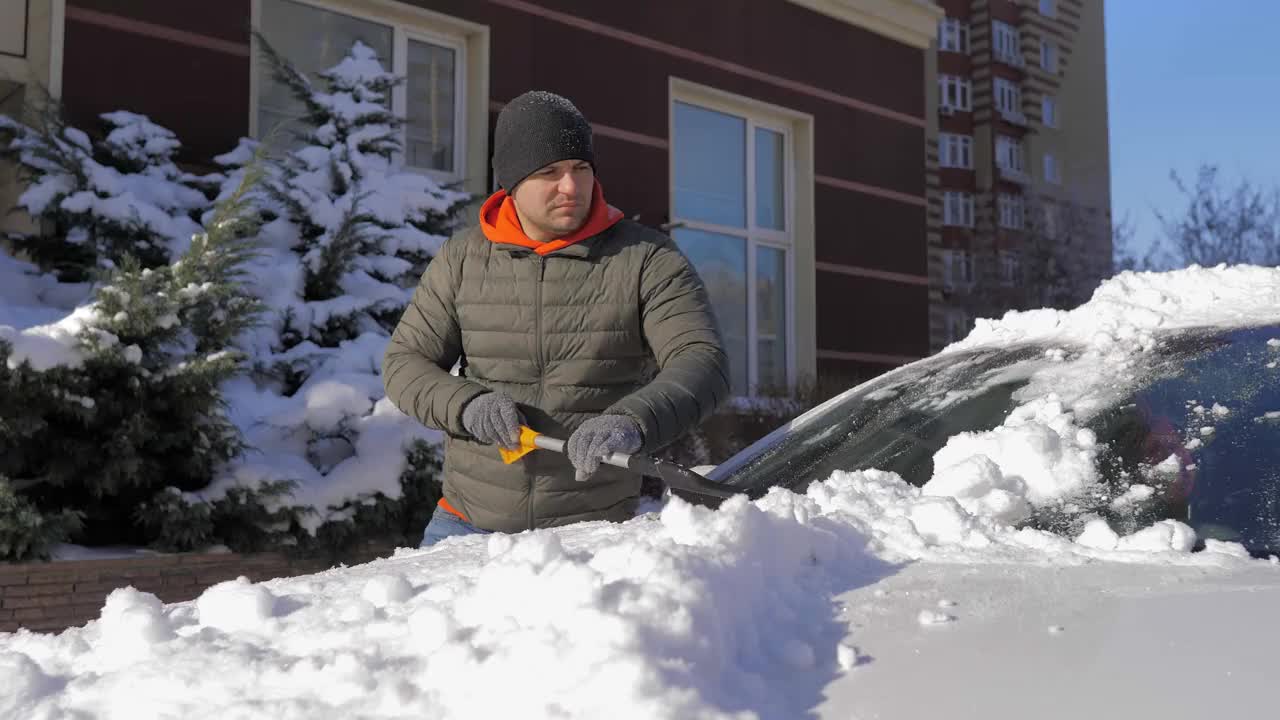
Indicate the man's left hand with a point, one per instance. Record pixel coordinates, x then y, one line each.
600 437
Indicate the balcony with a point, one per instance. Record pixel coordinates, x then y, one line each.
1015 117
1021 177
1012 59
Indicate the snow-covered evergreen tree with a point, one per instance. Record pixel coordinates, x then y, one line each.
129 401
346 234
101 200
361 227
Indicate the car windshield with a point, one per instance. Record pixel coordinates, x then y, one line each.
1188 431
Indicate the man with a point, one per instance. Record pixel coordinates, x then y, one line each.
563 316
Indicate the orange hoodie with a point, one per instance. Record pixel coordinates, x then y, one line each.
499 222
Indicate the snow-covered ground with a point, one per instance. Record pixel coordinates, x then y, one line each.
688 612
864 597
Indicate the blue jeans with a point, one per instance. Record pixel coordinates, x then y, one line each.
445 524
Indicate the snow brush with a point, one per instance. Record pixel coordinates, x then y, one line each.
675 476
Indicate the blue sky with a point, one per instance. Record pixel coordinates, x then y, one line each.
1189 81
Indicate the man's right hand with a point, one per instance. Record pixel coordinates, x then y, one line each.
493 419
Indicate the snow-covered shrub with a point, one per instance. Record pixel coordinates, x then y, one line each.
25 532
131 403
401 520
103 199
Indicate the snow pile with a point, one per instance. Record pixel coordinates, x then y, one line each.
1036 457
1126 309
52 345
689 612
29 297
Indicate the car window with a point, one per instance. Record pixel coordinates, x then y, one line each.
897 422
1200 444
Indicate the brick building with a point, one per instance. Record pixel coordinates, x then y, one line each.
782 142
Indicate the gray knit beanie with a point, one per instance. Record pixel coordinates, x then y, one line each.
537 129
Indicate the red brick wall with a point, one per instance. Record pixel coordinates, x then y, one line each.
50 597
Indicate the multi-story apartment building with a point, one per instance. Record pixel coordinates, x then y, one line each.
1022 149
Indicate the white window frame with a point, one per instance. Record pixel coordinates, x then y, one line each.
957 209
955 151
1008 96
791 125
1010 267
1049 8
1006 43
1010 154
1011 211
963 91
1049 111
400 96
956 325
958 268
406 23
1052 171
953 35
1048 55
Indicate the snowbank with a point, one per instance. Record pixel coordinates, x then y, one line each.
686 613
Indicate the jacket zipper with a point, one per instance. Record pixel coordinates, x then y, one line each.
537 325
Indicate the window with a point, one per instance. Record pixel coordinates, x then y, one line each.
955 92
957 268
732 198
1048 8
1010 267
431 98
1049 111
1052 221
1006 43
1009 154
1048 56
953 35
955 151
957 209
1010 208
957 325
1008 98
1051 172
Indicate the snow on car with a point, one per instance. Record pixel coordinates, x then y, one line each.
1033 523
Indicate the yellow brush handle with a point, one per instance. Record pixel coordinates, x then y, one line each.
528 443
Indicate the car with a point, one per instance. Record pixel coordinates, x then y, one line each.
1188 430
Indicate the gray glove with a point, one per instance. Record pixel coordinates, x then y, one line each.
601 436
493 419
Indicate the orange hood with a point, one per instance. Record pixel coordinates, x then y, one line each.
499 222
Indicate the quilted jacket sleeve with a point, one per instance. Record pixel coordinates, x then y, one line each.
680 328
424 347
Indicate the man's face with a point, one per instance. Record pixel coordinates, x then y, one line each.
554 201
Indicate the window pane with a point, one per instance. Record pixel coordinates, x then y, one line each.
430 107
721 262
770 180
771 318
313 40
710 166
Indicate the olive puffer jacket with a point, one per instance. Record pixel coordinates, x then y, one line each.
619 323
